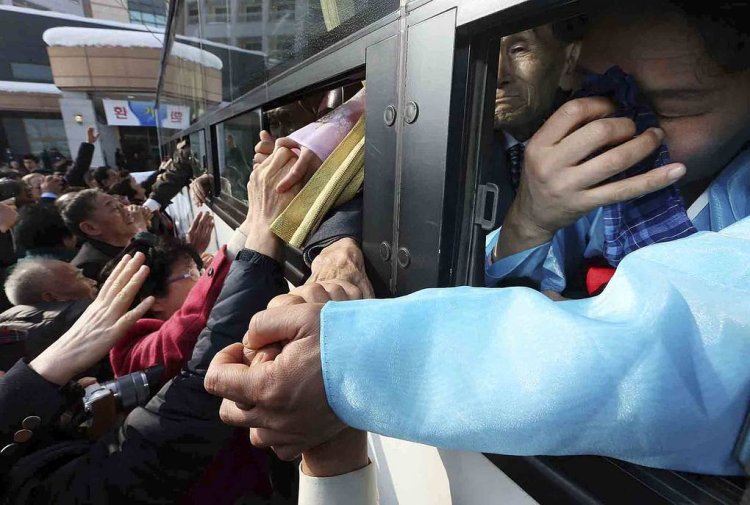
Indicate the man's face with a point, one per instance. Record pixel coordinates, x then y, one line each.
70 283
531 66
704 111
34 183
111 218
29 165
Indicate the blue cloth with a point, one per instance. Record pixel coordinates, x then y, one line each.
656 217
653 371
560 263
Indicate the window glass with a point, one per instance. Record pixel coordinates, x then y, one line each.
46 135
31 72
198 147
237 138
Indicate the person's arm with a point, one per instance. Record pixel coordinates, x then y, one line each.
176 176
652 371
82 164
163 447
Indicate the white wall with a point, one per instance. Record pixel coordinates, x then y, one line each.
73 103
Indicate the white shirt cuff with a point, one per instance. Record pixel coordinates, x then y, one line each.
152 204
353 488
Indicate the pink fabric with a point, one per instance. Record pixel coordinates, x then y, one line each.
322 136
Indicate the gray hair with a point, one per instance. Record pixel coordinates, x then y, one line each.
29 280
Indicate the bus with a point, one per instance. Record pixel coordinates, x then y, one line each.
430 195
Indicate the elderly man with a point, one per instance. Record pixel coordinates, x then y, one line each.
536 74
48 297
652 371
106 224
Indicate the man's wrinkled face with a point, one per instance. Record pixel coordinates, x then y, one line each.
112 217
70 283
703 110
531 65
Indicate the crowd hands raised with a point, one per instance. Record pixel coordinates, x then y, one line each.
256 350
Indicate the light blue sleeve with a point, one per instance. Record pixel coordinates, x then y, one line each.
655 370
523 265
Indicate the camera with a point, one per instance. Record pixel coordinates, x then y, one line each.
128 391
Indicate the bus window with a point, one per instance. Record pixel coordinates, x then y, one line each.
236 142
198 147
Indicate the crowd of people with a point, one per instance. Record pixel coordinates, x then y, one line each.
621 145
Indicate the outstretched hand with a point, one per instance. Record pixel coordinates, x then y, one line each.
103 323
200 189
305 166
273 382
199 234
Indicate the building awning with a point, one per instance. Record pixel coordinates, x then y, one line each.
97 59
29 97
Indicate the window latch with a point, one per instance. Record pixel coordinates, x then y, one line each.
483 192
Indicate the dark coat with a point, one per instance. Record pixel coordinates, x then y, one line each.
161 448
93 256
170 181
82 164
42 324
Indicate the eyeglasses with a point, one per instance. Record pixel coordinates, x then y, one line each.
193 274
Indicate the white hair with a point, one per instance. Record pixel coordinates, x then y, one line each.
29 280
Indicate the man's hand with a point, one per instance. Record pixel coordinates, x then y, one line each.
306 165
8 216
282 399
53 184
103 323
199 234
200 188
91 135
279 392
560 184
342 260
264 204
141 217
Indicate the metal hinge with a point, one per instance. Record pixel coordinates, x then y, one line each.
481 206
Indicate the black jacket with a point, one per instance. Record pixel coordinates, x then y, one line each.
92 257
42 325
75 174
161 448
178 175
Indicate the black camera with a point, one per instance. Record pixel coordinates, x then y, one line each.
129 391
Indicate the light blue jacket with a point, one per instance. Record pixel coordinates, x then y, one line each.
655 370
550 265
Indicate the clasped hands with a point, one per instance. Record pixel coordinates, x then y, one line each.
272 383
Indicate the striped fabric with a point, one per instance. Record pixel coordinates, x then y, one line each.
657 217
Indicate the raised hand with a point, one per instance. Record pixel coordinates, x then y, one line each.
306 165
103 323
199 234
53 184
200 188
560 184
91 135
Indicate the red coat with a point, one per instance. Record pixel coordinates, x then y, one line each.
170 343
239 468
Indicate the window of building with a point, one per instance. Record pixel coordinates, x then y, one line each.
46 134
282 9
251 43
218 14
193 13
148 12
31 72
250 10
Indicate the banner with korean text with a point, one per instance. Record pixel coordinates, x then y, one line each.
131 113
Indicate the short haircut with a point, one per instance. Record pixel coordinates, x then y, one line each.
79 208
162 253
40 225
101 174
123 188
9 188
31 157
29 280
571 29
